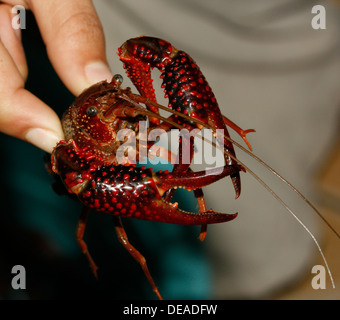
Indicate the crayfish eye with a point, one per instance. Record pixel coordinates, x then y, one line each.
91 111
118 78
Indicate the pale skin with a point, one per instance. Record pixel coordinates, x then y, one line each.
75 44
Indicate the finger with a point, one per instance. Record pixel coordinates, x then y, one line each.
11 39
74 40
16 3
23 115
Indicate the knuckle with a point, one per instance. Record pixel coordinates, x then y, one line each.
80 28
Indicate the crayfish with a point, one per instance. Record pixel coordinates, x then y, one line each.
89 161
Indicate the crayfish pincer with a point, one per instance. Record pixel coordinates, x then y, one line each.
92 166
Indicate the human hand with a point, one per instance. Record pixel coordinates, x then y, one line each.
75 45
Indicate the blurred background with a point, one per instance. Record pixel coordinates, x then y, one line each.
269 70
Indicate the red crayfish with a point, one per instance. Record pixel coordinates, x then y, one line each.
88 161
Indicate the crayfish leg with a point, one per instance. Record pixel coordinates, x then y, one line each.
178 167
123 239
79 236
241 132
203 208
203 232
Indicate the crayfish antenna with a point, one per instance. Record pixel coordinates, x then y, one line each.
280 177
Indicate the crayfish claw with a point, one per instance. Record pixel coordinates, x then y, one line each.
235 178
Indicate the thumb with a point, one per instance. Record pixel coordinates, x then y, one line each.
74 40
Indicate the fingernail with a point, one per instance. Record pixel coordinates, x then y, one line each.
97 71
43 138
